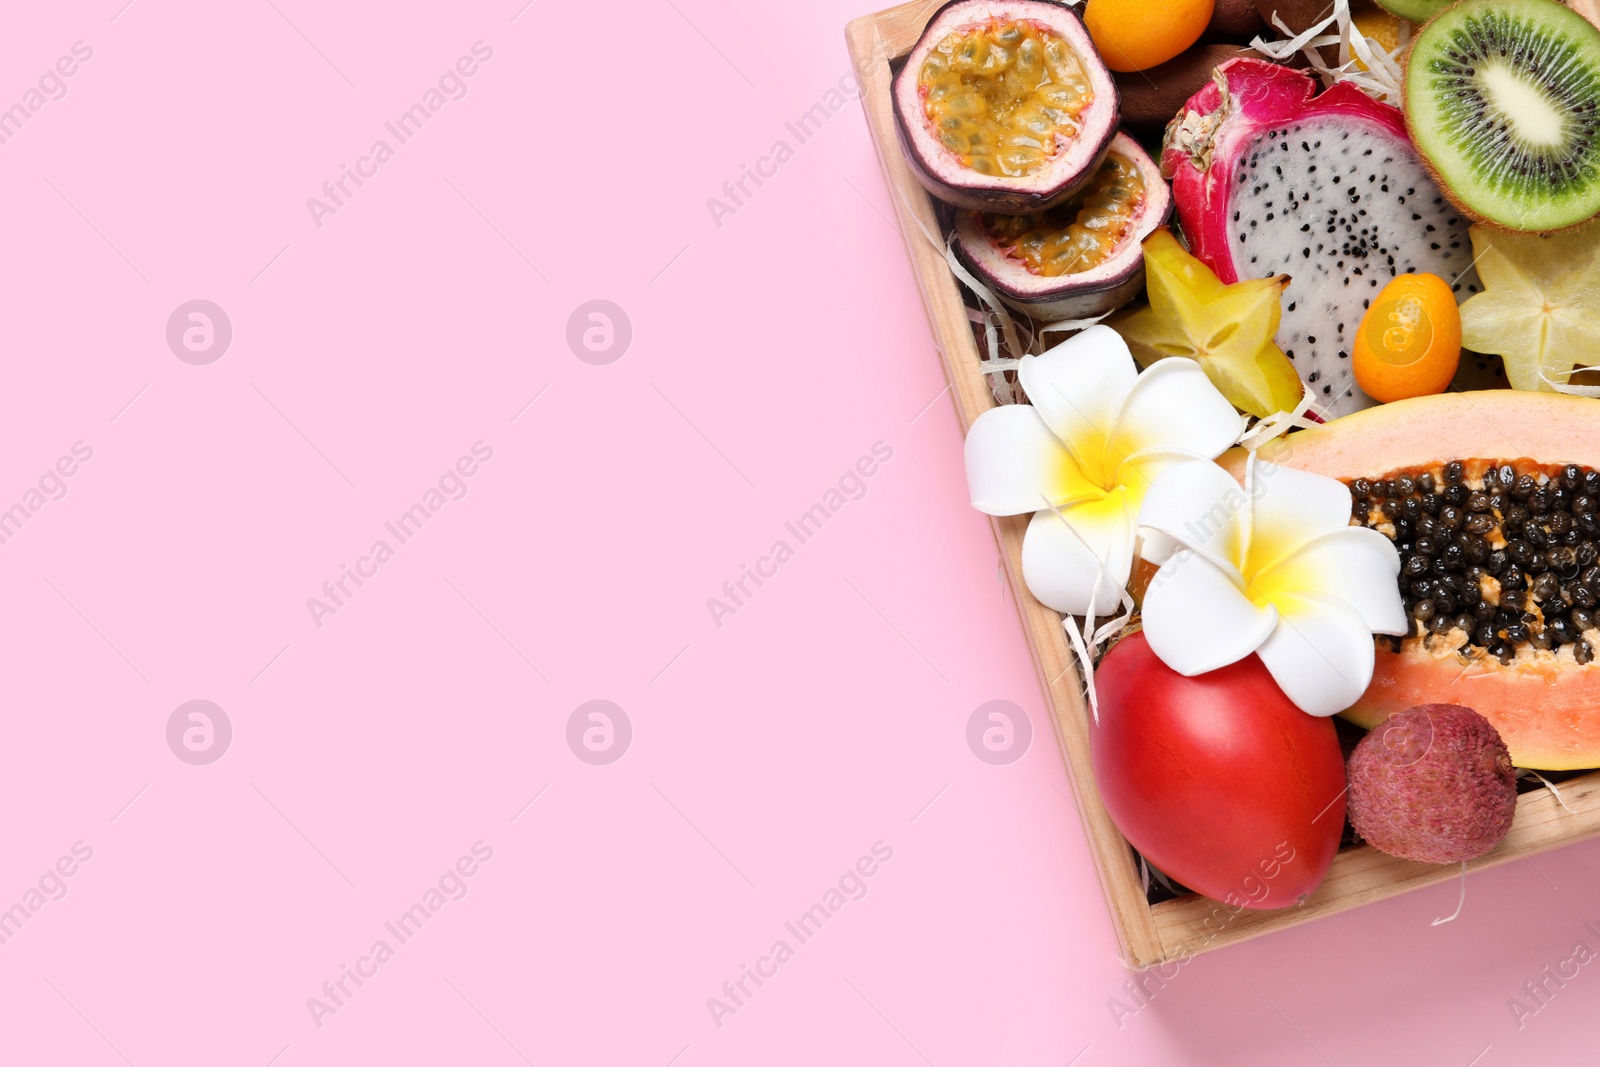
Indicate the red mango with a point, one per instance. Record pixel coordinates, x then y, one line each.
1218 780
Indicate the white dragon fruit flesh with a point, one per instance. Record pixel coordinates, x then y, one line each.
1271 178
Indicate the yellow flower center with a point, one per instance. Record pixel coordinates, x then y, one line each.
1273 574
1094 469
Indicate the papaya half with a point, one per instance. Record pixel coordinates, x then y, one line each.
1493 500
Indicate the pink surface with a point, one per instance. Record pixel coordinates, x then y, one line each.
767 750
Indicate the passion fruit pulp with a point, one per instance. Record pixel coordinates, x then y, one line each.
1004 96
1080 258
1080 234
1004 105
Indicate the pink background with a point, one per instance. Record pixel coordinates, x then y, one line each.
828 713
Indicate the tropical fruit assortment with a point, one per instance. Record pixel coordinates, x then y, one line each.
1323 436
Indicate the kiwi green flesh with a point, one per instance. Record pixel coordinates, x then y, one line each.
1415 10
1503 98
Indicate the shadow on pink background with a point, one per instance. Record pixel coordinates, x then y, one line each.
421 725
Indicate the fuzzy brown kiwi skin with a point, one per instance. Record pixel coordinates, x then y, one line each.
1150 98
1433 172
1298 15
1234 20
1589 9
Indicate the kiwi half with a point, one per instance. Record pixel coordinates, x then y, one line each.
1503 99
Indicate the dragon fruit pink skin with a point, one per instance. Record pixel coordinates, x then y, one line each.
1269 177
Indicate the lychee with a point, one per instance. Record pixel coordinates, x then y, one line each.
1434 784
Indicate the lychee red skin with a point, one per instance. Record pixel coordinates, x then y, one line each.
1433 784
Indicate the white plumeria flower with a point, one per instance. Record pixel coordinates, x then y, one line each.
1084 455
1273 568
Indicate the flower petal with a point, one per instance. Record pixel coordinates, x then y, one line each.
1321 653
1078 388
1292 507
1155 546
1200 506
1173 407
1197 619
1140 475
1059 564
1015 464
1357 565
1138 478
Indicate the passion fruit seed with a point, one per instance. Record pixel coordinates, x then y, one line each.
1004 96
1078 235
1495 557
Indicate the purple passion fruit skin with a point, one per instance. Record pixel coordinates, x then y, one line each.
1004 106
1082 257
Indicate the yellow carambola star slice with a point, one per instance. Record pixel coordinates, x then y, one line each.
1540 308
1227 329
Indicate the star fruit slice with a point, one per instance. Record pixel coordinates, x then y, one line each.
1227 329
1540 308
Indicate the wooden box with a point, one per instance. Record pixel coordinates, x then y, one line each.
1173 929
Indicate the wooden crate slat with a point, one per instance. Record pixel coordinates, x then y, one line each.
874 40
1362 875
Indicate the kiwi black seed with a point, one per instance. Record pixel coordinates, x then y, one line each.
1503 99
1494 556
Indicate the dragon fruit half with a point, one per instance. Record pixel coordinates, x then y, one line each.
1271 178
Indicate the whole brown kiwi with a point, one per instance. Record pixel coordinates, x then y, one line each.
1298 15
1152 97
1234 20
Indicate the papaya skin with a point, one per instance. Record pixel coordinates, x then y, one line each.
1547 705
1490 424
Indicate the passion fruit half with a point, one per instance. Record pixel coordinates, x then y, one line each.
1004 105
1082 257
